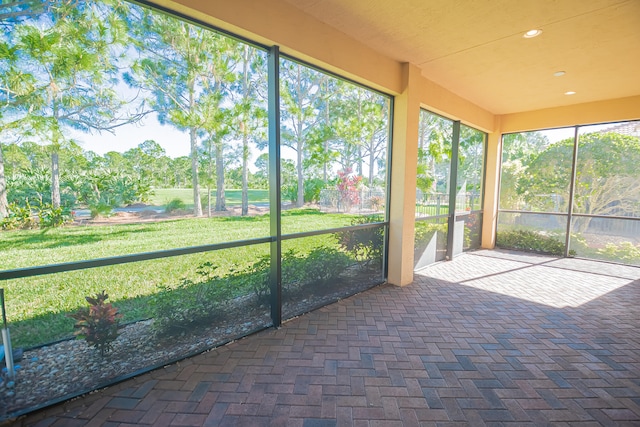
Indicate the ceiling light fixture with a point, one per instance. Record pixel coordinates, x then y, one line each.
570 93
532 33
559 73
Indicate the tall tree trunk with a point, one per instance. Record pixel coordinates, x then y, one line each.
193 139
300 142
300 199
55 180
327 121
55 164
432 168
372 160
4 205
360 136
245 173
197 206
221 204
209 177
325 172
244 128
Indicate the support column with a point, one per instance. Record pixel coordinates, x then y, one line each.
453 190
491 188
404 158
275 225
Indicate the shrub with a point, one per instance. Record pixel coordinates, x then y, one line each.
53 217
532 241
376 203
258 275
319 267
175 205
348 186
625 251
98 325
472 231
192 303
112 188
34 184
364 244
290 193
312 189
425 230
100 208
19 218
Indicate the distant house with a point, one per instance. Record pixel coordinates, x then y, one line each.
629 128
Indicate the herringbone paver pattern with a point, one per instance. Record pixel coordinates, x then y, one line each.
491 338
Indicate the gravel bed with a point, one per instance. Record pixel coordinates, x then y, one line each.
69 367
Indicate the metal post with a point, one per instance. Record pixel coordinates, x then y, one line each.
453 187
387 203
574 168
6 339
275 209
485 148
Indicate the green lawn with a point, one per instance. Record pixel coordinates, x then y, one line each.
431 210
37 307
162 196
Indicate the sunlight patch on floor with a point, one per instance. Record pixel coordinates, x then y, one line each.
555 284
550 286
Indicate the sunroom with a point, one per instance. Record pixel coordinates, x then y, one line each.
177 175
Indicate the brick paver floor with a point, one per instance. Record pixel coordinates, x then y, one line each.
491 338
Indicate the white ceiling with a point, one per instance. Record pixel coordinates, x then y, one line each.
475 48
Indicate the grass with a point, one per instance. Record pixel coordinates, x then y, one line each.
37 307
39 247
431 210
162 196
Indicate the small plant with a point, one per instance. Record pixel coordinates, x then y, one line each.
98 324
259 274
53 217
175 205
100 209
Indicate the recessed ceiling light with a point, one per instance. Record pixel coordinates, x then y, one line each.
532 33
570 93
559 73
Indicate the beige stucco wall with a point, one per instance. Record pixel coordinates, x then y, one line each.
612 110
491 185
403 178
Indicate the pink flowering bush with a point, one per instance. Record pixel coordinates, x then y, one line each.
348 186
